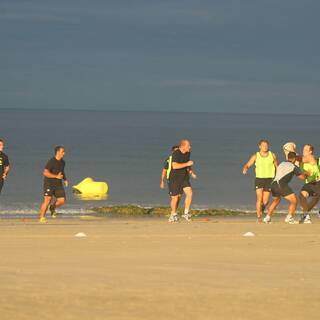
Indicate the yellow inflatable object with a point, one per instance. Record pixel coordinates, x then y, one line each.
90 187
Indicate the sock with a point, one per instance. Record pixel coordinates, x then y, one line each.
186 211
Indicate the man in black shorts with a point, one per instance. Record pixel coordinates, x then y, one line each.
179 180
54 176
4 165
280 188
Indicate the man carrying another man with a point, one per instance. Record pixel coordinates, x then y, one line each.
179 180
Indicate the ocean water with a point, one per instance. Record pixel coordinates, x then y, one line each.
127 149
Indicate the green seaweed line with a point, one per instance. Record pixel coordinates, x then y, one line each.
132 210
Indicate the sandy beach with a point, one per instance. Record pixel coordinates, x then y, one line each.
148 269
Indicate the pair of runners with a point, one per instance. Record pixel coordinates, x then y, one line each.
274 179
4 165
178 169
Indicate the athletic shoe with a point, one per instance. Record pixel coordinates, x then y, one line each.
305 219
173 218
53 211
290 220
186 216
267 219
43 220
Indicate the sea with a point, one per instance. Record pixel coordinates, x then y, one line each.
128 149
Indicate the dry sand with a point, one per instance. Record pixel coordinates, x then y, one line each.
149 269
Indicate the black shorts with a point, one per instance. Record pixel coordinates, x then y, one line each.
263 183
313 188
280 190
177 184
56 191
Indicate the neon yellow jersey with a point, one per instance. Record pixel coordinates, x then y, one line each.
313 169
169 167
265 167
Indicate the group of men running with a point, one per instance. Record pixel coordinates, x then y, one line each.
270 178
273 178
54 178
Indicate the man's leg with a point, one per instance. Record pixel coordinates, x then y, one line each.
303 200
259 193
174 203
174 206
305 217
44 206
273 205
59 202
187 203
1 184
179 199
313 203
188 200
293 201
265 199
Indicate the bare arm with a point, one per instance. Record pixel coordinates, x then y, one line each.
275 161
48 174
163 174
302 176
250 163
176 165
6 171
192 173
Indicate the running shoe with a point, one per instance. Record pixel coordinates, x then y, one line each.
53 211
267 219
173 218
43 220
305 219
290 220
186 216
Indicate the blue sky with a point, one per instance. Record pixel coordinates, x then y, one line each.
234 56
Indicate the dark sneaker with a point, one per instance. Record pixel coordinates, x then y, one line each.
52 210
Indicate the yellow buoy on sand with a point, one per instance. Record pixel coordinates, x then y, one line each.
90 187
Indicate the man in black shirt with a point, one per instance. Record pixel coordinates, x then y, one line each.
179 181
4 165
167 167
54 176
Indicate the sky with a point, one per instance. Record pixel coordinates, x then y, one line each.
207 56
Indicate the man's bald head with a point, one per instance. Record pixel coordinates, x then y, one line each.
184 145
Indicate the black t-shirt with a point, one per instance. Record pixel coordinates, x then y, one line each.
4 162
55 166
166 164
179 157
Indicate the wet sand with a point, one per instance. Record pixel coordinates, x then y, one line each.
150 269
